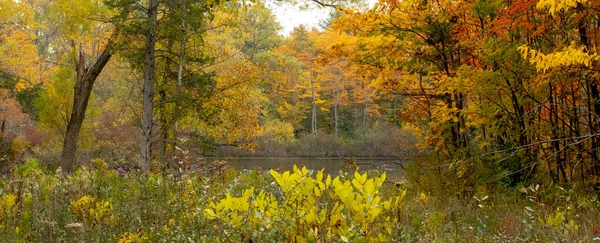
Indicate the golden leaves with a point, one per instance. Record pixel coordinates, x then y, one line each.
356 204
82 20
571 55
555 6
91 211
19 53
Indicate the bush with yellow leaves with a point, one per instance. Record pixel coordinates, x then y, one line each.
7 202
129 237
310 208
91 212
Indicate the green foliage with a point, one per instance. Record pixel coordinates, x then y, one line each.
54 106
7 81
27 98
29 169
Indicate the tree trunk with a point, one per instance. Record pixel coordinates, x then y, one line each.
83 89
163 113
555 143
335 110
149 62
314 107
593 94
163 124
179 80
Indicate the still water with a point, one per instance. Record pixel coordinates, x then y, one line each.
331 165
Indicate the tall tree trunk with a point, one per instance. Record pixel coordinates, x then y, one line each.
453 134
149 63
575 133
163 113
555 142
83 89
179 78
314 107
164 126
594 94
335 109
364 116
523 140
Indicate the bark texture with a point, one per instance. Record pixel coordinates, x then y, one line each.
148 104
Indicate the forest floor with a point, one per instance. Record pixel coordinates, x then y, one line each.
101 204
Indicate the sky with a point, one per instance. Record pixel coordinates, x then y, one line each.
291 16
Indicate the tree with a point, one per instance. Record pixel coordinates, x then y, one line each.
86 76
466 76
148 104
17 70
88 68
301 45
166 75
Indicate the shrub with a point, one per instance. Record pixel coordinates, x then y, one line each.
310 208
275 138
318 145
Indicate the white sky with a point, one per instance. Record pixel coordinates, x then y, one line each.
291 16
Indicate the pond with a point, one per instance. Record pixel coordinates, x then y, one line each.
331 165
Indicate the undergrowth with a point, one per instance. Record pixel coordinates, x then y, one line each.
100 204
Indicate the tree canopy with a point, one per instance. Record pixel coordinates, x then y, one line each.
475 92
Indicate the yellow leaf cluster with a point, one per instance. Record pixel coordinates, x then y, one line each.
7 202
569 56
129 237
353 204
278 131
88 210
555 6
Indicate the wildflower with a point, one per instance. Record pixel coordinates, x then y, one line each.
546 227
121 171
194 167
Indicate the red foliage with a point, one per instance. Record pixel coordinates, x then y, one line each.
12 120
519 16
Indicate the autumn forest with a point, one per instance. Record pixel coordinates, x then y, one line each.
111 109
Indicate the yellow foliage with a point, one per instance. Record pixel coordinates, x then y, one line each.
129 237
7 201
279 131
560 219
19 145
570 55
99 164
357 205
555 6
88 210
